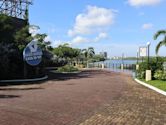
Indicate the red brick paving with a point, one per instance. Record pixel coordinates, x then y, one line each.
89 98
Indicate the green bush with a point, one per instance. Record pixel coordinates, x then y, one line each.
154 65
67 68
160 75
10 61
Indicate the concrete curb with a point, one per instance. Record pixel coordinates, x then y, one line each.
66 72
24 80
151 87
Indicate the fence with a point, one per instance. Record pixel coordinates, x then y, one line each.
114 66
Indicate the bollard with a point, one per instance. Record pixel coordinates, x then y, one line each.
137 67
122 66
148 75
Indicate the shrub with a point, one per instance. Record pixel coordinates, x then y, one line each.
67 68
10 61
154 64
160 75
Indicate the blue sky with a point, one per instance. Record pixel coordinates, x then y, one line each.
107 25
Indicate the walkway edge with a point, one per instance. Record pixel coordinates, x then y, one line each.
151 87
24 80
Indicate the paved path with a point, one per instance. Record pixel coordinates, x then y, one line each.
88 98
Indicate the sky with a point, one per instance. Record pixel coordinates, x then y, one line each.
114 26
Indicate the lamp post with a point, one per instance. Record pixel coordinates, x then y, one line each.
122 58
148 47
137 55
137 65
148 71
122 65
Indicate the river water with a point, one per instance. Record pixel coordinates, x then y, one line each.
115 65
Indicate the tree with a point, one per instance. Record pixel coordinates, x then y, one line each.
23 37
63 51
7 29
10 61
88 53
45 45
162 42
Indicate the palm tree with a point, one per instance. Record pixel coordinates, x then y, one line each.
162 42
88 53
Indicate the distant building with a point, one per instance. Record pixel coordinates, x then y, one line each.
104 54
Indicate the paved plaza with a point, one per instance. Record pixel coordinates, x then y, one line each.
92 97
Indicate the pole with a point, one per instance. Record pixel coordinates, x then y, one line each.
137 57
122 57
148 57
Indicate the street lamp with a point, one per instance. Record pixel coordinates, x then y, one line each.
148 71
137 55
148 47
122 58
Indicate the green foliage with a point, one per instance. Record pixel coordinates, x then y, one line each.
154 64
65 51
158 83
97 58
6 29
11 63
88 53
67 68
162 42
23 37
160 75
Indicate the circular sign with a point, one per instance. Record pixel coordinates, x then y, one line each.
32 54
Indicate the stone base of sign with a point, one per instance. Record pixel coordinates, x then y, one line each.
122 66
137 67
148 75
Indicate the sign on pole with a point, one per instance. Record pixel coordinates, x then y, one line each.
32 54
143 51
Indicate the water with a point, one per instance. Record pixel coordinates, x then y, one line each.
115 65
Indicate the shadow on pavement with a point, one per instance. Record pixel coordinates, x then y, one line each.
54 76
9 96
10 88
67 76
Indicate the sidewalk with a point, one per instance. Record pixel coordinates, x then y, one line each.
88 98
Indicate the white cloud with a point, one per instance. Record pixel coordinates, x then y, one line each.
101 36
34 30
79 39
94 19
56 43
147 26
138 3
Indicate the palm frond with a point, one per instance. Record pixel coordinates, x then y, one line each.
161 43
160 32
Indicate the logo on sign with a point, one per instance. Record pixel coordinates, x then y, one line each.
32 54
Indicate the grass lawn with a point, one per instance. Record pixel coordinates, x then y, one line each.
157 83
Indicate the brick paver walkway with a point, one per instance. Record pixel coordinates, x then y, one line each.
88 98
